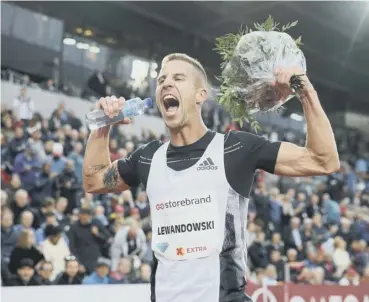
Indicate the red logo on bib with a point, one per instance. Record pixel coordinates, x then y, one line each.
180 251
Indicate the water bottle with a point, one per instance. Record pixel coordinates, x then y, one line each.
97 119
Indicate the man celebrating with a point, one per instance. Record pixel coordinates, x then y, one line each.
198 183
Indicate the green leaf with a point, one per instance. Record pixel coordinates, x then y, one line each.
268 24
293 24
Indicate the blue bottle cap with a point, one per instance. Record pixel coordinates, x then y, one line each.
149 103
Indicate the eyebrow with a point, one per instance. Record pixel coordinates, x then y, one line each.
176 75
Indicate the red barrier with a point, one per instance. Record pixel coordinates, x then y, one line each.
309 293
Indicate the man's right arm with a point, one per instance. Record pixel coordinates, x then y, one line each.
100 175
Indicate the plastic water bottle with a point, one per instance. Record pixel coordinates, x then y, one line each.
97 119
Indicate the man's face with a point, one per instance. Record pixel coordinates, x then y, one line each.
7 219
178 91
26 273
27 219
18 132
125 266
71 268
102 271
46 271
84 218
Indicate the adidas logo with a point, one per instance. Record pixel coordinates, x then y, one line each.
162 246
207 164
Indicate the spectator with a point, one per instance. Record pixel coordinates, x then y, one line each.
128 241
60 209
145 272
25 275
331 210
77 158
101 274
124 272
28 166
26 222
86 239
341 258
142 205
24 107
276 260
276 244
36 142
44 185
258 252
18 144
8 235
45 272
50 219
54 248
24 249
293 236
71 274
68 186
20 204
58 161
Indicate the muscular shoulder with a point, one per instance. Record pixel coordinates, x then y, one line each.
134 169
244 153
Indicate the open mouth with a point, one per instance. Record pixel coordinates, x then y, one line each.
171 103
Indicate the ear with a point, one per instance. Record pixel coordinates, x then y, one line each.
201 96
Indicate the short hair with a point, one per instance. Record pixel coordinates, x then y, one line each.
188 59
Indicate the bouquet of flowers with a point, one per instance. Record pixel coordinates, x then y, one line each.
249 60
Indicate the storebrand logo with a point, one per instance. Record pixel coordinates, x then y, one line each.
186 228
162 246
207 164
183 203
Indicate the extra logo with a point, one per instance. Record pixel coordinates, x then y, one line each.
207 164
181 251
162 246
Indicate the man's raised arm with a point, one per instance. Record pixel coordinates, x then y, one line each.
100 175
319 156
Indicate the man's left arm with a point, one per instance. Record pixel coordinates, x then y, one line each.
319 156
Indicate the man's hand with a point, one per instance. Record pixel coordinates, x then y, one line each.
95 230
112 107
283 85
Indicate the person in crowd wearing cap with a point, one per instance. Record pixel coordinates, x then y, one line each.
24 248
87 237
25 275
101 273
71 274
54 248
202 179
28 166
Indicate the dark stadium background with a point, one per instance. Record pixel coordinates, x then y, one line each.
61 47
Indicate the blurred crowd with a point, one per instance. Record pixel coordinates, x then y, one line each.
310 230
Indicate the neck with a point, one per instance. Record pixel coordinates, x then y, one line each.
188 134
